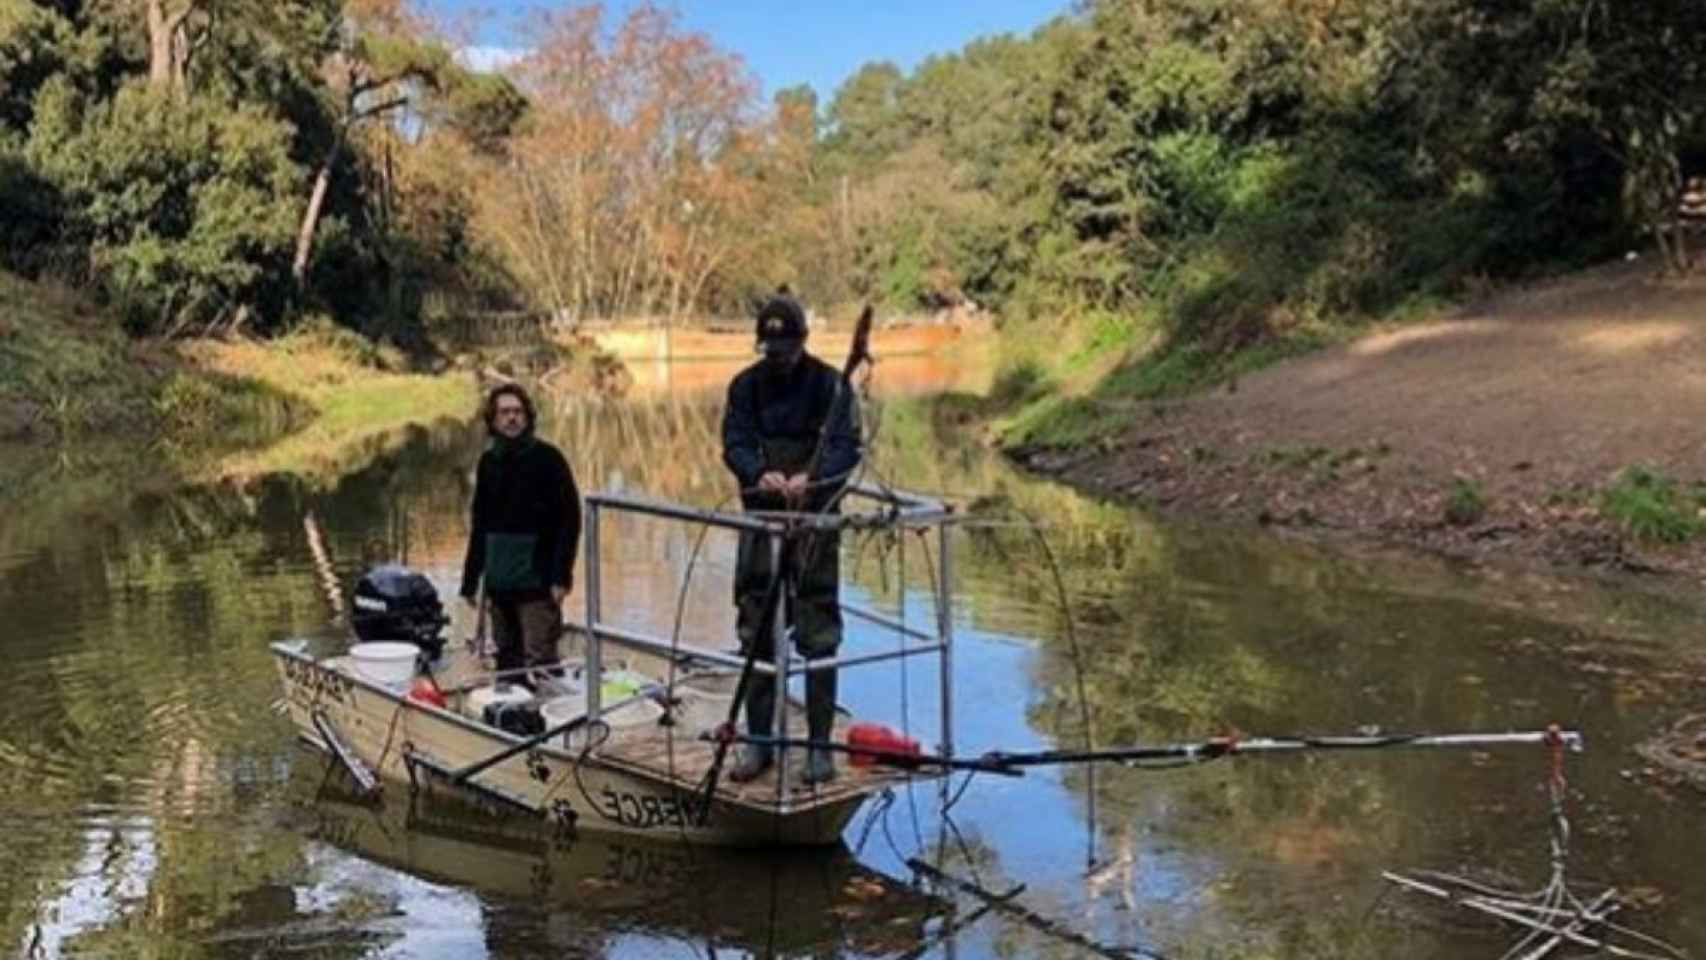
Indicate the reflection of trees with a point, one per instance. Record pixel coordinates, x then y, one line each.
144 676
138 637
664 447
1185 634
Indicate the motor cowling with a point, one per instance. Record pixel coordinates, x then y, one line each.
397 604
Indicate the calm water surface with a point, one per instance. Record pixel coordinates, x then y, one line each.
154 806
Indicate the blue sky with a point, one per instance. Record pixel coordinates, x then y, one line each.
820 42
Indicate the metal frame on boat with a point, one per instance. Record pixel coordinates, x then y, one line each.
653 779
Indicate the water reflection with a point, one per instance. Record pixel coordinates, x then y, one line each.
154 807
546 890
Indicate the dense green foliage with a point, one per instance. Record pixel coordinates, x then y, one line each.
1152 192
1247 166
164 153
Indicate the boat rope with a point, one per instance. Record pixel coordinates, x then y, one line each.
899 543
884 800
588 745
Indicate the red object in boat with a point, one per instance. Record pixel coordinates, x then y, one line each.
867 740
424 690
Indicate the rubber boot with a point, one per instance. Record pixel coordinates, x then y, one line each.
755 758
820 721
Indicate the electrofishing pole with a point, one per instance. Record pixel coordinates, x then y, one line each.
1217 747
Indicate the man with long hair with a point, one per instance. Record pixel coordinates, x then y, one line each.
526 529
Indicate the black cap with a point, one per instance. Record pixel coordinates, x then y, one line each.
780 319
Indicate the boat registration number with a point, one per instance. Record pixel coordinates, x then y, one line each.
309 683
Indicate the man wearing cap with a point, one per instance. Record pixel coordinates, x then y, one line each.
791 438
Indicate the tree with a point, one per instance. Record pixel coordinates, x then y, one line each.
622 190
183 204
373 78
170 40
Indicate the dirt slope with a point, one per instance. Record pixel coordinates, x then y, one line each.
1537 398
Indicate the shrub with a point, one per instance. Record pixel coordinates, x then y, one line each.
1648 505
1465 504
188 206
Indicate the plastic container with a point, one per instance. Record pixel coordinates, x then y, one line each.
478 699
561 710
388 663
622 684
866 740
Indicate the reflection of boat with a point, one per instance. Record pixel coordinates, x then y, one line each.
641 886
611 762
663 343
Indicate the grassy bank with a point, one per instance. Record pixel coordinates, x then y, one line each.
72 379
69 373
360 394
1078 378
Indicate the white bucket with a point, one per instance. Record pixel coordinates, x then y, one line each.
390 664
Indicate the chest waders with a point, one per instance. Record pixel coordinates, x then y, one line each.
811 571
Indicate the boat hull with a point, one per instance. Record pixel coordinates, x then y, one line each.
418 746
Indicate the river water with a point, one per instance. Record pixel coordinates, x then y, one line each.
154 806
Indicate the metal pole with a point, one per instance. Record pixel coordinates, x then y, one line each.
779 641
945 633
594 653
832 663
871 616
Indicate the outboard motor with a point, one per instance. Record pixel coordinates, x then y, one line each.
394 603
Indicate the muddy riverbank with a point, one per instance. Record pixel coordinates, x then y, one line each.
1559 425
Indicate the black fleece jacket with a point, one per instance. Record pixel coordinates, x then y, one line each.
521 493
791 408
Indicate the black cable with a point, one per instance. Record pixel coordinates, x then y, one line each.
964 784
1078 673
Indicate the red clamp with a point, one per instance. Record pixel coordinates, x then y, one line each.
1555 741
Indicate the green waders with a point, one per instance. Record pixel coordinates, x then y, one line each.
812 611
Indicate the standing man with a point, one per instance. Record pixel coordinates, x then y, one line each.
791 438
526 528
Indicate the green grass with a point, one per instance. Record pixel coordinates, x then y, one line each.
356 395
1042 412
1651 507
1464 503
72 373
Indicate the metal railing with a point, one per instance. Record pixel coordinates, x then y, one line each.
882 509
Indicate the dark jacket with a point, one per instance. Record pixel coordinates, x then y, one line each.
527 521
773 423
